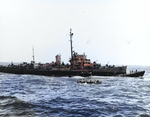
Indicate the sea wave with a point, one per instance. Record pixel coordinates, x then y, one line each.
88 108
11 106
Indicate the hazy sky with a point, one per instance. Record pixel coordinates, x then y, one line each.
117 31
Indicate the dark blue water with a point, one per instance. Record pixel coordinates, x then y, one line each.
44 96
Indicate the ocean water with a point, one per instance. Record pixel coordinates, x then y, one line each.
46 96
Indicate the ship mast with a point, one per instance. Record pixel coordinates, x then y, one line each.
33 54
71 34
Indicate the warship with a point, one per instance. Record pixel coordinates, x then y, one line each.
79 66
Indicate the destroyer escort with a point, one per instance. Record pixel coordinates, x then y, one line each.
79 66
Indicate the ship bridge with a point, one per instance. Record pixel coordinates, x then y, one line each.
80 61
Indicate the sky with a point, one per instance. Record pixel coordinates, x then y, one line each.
107 31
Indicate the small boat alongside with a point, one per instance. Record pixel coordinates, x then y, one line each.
89 81
135 74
